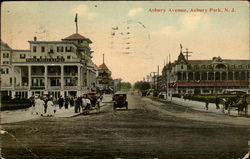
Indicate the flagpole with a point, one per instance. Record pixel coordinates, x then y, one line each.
76 23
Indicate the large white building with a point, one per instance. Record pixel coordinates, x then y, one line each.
49 67
213 76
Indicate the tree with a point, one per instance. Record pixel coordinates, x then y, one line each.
125 86
141 85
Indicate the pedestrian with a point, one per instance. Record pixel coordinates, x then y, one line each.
77 104
60 102
32 103
217 102
71 101
45 99
50 107
206 103
86 103
36 105
66 103
40 106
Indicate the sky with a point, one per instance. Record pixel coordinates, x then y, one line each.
135 36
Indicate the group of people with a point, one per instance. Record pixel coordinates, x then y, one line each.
46 106
43 106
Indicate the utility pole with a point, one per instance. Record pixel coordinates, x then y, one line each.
187 54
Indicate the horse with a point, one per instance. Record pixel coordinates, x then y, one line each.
238 102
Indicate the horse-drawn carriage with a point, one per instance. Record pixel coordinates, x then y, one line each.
237 100
90 102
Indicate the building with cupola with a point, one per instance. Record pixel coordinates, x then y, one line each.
104 79
184 76
57 68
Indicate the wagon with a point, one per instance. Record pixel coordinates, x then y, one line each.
95 103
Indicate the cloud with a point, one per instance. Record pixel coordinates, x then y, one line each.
83 11
134 11
192 20
187 24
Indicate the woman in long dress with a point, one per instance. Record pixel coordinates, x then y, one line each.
40 108
50 107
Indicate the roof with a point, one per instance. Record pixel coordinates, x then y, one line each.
20 51
225 61
103 66
4 46
77 36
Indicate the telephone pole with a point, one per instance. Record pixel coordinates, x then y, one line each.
187 53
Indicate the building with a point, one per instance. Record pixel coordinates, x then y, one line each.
185 76
104 80
58 68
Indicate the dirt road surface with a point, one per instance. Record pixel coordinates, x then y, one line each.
149 129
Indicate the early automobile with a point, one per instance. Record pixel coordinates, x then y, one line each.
120 100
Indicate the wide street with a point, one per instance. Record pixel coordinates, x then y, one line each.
149 129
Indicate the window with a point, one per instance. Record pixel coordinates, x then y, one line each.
42 49
5 55
6 62
7 71
34 48
34 57
59 48
51 50
10 80
68 48
68 57
181 66
22 56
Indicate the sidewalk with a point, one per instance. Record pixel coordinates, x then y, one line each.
26 114
200 106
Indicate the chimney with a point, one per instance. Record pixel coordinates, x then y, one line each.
35 38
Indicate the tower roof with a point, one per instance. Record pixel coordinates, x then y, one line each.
103 66
77 36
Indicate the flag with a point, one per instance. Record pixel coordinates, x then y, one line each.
76 18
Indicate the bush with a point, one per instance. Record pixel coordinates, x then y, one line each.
15 104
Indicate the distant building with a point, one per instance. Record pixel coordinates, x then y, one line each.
104 79
206 76
58 68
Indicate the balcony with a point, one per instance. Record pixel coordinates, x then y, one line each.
21 87
54 87
70 87
70 74
54 74
37 87
37 74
